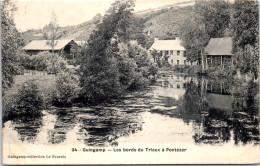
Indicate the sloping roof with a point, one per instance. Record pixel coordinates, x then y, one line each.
43 46
165 45
219 46
80 42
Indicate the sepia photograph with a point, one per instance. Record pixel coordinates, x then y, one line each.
130 82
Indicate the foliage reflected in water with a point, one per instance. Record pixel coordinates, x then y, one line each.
217 111
27 127
246 114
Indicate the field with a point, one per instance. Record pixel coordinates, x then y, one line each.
44 81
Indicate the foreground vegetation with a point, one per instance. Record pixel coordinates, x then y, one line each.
115 60
113 64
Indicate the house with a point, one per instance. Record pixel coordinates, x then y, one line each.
62 47
219 52
170 50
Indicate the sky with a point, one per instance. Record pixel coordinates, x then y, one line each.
34 14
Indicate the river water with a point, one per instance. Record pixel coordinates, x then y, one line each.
176 109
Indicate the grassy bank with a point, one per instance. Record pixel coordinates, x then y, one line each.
45 82
197 70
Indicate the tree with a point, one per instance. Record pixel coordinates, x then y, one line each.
194 38
28 100
110 66
135 65
210 19
245 23
50 32
97 19
246 36
216 16
67 87
9 44
100 75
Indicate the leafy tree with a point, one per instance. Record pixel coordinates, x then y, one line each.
100 75
137 31
55 64
97 18
210 19
246 36
157 57
28 100
194 37
135 65
111 63
126 66
67 87
50 32
216 16
245 23
9 44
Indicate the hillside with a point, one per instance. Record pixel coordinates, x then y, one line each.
161 22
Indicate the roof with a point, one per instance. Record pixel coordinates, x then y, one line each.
166 45
43 46
219 46
80 42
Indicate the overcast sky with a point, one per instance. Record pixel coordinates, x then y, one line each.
37 13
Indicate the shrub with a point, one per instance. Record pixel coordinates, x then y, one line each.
28 100
39 61
8 108
139 82
67 88
55 64
25 61
43 61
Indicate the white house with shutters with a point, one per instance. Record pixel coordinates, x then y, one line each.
172 50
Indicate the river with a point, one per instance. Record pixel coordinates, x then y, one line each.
176 109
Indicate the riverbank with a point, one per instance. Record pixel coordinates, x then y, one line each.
198 71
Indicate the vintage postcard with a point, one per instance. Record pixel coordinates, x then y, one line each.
130 82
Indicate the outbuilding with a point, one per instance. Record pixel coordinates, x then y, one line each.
63 47
219 52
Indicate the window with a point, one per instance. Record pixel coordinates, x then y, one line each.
172 61
178 62
178 52
171 52
184 62
178 86
167 53
184 53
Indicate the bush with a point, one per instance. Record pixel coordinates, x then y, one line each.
55 64
67 88
39 61
43 61
25 61
8 108
28 101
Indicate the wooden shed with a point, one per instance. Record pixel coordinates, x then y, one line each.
62 47
219 52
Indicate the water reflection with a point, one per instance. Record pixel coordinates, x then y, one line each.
212 111
65 121
246 115
27 127
216 110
